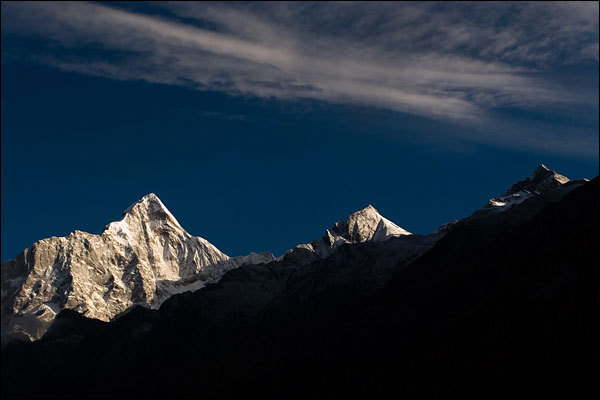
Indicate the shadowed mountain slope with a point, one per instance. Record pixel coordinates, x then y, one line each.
498 306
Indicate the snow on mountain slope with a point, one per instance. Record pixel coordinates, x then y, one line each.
146 257
366 225
542 180
542 186
143 259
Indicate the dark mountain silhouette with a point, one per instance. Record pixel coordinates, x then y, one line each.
499 305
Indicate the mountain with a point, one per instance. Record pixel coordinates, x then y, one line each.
532 194
499 304
142 259
365 225
147 257
541 181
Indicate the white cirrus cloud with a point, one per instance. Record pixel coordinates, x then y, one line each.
454 61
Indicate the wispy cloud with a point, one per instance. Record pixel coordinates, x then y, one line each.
454 61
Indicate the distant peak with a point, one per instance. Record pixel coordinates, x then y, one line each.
541 180
366 224
148 208
541 170
153 207
148 199
367 210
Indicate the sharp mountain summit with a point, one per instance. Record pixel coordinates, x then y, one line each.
501 303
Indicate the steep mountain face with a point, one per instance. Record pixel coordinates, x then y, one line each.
142 259
366 225
147 257
530 195
543 180
502 304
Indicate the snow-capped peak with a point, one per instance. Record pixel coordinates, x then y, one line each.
541 180
151 206
149 200
149 210
142 259
365 225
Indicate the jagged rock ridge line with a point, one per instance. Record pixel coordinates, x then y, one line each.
430 316
144 258
366 225
147 257
542 181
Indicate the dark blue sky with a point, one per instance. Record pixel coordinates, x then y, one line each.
90 125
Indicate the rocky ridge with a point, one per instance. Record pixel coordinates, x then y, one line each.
492 294
542 186
542 180
147 257
142 259
366 225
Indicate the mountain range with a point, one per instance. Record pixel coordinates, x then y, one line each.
501 302
142 259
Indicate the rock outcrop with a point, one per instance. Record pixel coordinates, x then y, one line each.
143 259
